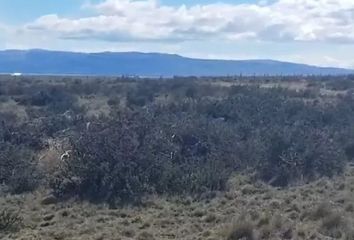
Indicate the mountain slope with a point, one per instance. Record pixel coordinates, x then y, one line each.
144 64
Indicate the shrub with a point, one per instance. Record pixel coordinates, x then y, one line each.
141 95
322 211
113 102
9 220
340 84
241 230
332 221
299 154
57 99
105 166
286 141
333 226
131 156
17 168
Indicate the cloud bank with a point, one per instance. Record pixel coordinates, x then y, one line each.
148 20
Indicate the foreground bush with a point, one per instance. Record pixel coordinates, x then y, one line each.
131 156
173 150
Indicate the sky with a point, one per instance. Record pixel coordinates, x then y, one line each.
318 32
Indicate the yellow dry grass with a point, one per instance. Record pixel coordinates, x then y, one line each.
320 210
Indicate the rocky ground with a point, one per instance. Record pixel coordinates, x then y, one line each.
321 210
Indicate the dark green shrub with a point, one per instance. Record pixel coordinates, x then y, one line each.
55 98
9 220
340 84
135 155
103 166
241 230
113 102
299 154
141 95
18 169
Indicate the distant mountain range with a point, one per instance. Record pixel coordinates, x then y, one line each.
145 64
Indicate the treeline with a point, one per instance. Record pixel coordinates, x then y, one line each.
174 137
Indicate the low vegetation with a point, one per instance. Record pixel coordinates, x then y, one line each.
120 141
9 220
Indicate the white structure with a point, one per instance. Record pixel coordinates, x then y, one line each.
16 74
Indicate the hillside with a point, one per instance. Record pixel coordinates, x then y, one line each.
145 64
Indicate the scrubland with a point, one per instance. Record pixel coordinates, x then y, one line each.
183 158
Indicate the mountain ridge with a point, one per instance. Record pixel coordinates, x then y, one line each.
40 61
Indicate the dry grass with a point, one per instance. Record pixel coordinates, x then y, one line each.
95 105
314 211
11 107
240 230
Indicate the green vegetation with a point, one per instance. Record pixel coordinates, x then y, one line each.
181 136
119 141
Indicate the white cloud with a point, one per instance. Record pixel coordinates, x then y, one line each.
3 29
147 20
318 32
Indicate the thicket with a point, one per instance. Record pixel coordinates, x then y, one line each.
173 137
194 146
140 152
18 166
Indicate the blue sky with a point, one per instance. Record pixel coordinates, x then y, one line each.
319 32
20 11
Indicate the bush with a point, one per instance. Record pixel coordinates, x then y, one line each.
341 84
9 220
55 98
103 166
135 155
241 230
18 169
299 154
141 95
